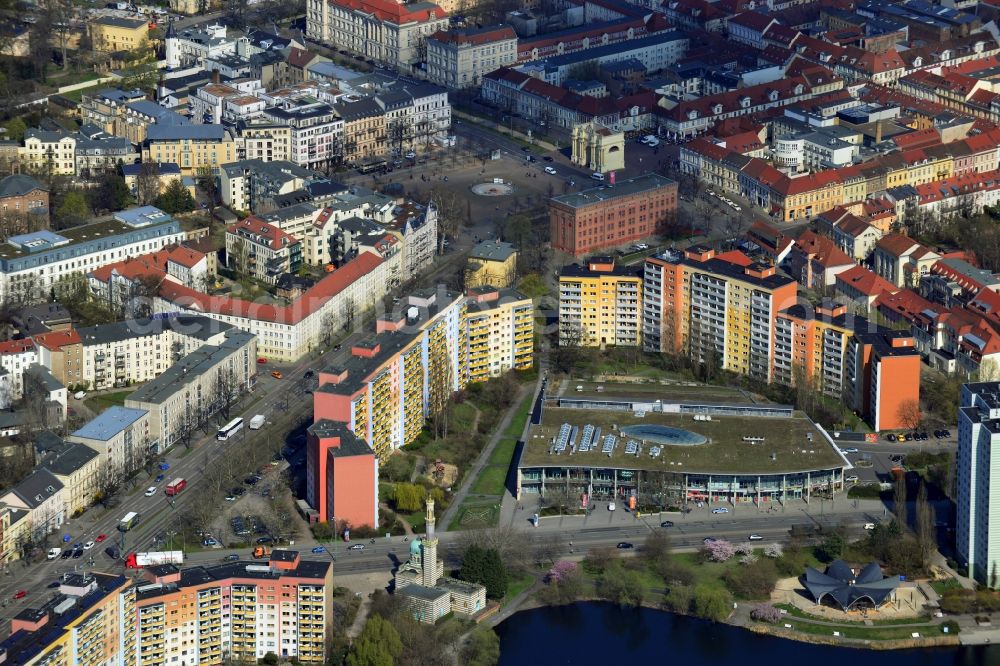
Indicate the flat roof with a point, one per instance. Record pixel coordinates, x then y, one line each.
608 192
786 447
110 422
692 392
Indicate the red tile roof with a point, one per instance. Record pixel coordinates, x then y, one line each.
302 307
57 339
906 302
475 37
866 282
822 250
275 238
896 244
16 346
753 20
393 12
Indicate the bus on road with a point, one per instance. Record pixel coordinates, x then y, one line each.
230 429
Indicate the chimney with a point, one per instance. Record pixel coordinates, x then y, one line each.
216 78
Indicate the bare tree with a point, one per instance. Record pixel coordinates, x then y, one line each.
147 185
450 213
439 393
910 415
228 391
926 535
210 186
109 482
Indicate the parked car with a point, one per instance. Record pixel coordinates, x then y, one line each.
20 594
262 360
232 557
66 554
625 545
851 479
851 449
611 506
357 546
160 477
209 542
547 158
88 545
54 553
720 509
550 170
667 523
276 374
308 375
869 526
319 549
112 552
891 437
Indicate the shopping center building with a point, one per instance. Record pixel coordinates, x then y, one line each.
662 444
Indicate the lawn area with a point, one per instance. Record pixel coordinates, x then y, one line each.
517 586
706 574
99 403
941 586
475 515
416 520
798 612
463 416
503 451
490 481
865 633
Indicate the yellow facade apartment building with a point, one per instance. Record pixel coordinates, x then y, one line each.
600 304
189 146
112 33
491 263
500 331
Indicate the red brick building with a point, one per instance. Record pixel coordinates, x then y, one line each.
21 195
612 214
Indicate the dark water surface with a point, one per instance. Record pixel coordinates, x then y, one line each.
600 634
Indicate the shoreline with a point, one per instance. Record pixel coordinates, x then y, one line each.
532 603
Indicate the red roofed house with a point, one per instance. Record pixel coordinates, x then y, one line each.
860 287
260 250
902 260
906 306
815 261
287 332
62 353
460 58
385 31
856 237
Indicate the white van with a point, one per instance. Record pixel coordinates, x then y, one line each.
54 553
597 176
650 140
80 395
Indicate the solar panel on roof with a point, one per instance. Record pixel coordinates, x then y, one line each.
562 438
631 447
610 442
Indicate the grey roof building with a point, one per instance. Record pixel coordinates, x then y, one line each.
17 185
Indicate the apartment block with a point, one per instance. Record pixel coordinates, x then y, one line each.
459 58
239 611
499 328
432 345
197 386
260 250
25 196
77 466
139 350
883 371
37 509
265 141
190 147
717 308
600 304
341 475
394 380
88 620
120 435
612 215
811 345
977 492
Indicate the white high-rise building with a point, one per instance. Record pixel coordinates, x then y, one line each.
978 483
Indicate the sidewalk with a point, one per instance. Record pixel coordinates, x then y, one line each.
484 457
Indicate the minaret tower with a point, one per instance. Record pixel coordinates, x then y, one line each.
429 544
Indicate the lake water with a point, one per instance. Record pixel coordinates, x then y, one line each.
597 634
